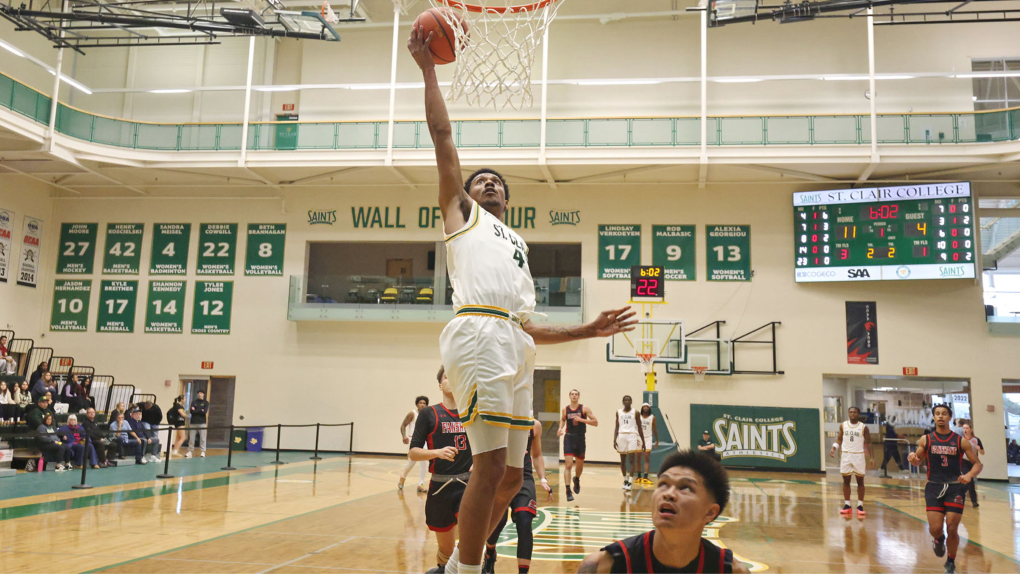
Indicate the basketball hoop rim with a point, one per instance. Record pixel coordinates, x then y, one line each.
497 10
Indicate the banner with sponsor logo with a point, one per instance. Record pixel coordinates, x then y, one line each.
71 305
728 252
31 253
264 252
758 437
619 250
862 332
6 244
673 249
123 248
217 248
170 244
77 253
165 311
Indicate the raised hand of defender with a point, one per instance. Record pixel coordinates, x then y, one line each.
614 321
419 48
446 453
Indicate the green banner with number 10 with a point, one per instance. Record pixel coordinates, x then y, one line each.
71 305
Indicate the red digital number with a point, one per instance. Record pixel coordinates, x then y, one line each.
814 249
956 244
884 212
881 232
647 287
814 238
956 256
952 209
844 254
954 232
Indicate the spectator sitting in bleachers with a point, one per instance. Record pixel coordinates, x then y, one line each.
127 440
22 396
152 414
86 393
150 445
3 346
73 435
53 449
34 414
100 438
118 410
72 395
45 385
5 395
38 373
8 409
8 366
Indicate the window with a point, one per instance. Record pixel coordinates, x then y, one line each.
996 93
364 272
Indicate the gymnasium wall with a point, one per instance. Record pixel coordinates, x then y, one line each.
21 307
365 372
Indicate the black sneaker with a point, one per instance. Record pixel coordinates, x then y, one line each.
577 485
437 570
939 547
489 565
950 567
570 497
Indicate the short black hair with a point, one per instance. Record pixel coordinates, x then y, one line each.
422 398
439 375
628 397
858 409
471 179
713 475
942 406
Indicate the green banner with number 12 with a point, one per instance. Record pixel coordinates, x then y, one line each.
211 313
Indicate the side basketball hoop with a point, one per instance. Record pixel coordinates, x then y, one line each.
496 50
699 373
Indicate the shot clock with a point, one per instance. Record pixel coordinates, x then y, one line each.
647 283
887 233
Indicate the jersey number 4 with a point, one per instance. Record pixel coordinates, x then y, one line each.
519 258
461 442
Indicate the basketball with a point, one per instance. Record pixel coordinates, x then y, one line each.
444 42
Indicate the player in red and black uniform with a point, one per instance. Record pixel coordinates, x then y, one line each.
946 489
439 437
574 423
522 507
692 490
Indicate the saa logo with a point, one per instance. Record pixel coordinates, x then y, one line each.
857 273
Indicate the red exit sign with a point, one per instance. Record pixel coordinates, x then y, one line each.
288 107
66 361
910 371
207 364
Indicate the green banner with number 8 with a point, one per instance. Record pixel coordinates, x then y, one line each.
264 253
211 313
71 305
728 255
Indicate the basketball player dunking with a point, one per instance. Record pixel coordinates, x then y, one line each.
489 347
691 491
946 491
439 438
854 440
574 421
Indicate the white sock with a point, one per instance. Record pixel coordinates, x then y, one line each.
846 502
470 569
453 563
860 504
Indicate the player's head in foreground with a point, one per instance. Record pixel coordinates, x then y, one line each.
855 415
942 415
692 490
575 395
489 189
627 401
444 382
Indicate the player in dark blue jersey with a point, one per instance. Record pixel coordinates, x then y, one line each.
943 450
439 437
692 490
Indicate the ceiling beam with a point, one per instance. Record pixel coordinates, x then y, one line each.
789 172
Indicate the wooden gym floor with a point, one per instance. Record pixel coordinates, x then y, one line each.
345 515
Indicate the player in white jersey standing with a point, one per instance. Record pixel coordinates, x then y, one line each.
409 422
855 441
488 349
650 432
628 441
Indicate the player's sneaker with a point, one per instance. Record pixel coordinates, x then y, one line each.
627 485
950 567
489 564
860 511
400 485
570 497
187 454
577 485
437 570
939 547
203 454
846 509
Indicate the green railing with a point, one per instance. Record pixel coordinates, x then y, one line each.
944 128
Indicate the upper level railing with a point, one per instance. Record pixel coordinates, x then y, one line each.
680 131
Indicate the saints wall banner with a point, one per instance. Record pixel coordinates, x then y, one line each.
31 252
77 253
6 233
862 332
264 252
757 437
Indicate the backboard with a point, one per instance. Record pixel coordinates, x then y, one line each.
663 338
714 353
307 22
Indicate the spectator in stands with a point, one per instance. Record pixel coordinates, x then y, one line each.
127 440
8 410
177 418
152 414
74 435
8 366
35 414
118 410
44 385
3 346
149 441
199 412
69 394
86 393
52 447
22 396
5 395
38 373
105 448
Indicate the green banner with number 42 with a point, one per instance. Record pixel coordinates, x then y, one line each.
117 306
165 310
264 253
123 248
211 313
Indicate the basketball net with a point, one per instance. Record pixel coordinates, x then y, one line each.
496 54
404 5
647 361
328 14
699 373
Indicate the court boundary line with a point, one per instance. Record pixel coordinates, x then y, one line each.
969 541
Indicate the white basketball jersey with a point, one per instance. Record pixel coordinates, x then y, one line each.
628 421
853 437
646 426
488 265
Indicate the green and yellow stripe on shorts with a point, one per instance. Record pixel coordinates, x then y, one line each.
490 311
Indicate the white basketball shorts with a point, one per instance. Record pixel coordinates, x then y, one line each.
852 463
627 443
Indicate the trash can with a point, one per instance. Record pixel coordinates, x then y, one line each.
254 442
237 441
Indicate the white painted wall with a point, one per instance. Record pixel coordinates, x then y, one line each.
22 308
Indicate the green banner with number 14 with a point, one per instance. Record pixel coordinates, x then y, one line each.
165 310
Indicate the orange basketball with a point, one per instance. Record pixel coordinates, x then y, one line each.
444 43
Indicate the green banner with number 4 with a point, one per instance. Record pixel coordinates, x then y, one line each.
211 313
123 248
264 253
117 306
165 310
728 256
170 244
71 305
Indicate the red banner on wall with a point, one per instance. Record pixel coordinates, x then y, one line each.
861 333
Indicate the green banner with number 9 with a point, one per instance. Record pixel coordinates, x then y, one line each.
71 305
165 310
673 249
211 313
117 306
728 255
264 253
170 244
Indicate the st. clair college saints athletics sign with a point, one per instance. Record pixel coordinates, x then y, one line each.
760 436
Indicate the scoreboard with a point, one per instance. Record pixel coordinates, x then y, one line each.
924 231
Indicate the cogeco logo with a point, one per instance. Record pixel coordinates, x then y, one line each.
857 273
807 274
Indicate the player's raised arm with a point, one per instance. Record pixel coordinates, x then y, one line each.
453 200
607 324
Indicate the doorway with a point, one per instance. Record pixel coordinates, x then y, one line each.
546 401
219 391
1011 414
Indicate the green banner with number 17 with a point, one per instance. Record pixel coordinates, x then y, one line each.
117 306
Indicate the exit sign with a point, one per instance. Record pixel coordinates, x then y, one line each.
66 361
207 364
910 371
288 107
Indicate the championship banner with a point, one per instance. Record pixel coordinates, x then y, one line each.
6 233
861 332
31 253
77 253
758 437
123 248
264 252
619 250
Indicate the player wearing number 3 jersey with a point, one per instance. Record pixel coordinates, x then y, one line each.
488 349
